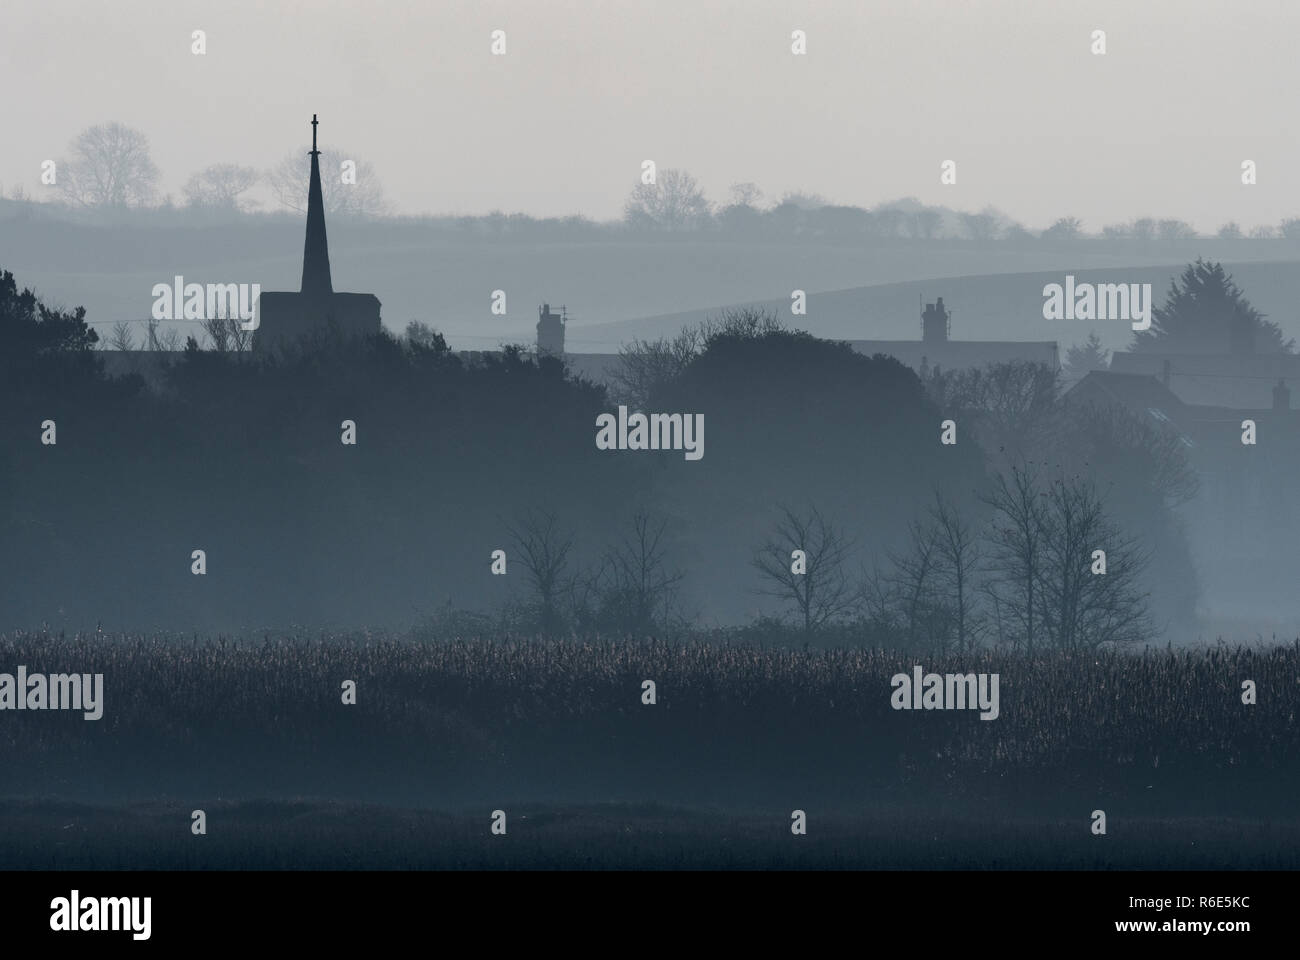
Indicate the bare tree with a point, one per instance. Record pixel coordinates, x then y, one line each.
228 334
645 367
1094 432
673 202
876 597
109 166
582 593
1082 604
1175 230
914 586
741 323
641 586
803 200
888 221
1011 405
289 179
958 551
746 194
221 186
1061 572
165 341
423 337
1015 559
983 225
925 223
1066 228
543 550
123 337
816 586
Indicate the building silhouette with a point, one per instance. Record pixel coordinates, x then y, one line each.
595 367
937 351
315 310
1238 379
936 323
550 330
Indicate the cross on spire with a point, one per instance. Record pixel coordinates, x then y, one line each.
313 134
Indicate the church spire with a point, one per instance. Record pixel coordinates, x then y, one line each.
316 255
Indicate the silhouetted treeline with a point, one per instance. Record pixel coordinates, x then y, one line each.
111 489
243 459
795 217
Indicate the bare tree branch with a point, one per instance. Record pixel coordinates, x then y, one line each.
821 593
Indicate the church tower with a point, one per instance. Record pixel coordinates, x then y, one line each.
315 311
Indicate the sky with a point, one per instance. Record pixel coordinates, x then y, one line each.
1038 125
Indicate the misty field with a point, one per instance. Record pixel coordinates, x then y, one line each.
443 731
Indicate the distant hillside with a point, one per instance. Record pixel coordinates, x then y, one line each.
1000 306
446 279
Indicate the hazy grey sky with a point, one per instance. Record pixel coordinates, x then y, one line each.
1038 126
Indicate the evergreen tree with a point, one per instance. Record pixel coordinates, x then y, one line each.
1201 311
1086 356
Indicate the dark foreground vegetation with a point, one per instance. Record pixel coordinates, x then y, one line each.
297 835
744 732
